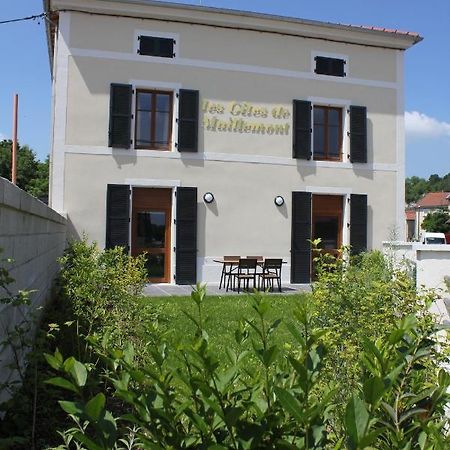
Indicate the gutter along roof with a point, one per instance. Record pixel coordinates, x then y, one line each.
237 20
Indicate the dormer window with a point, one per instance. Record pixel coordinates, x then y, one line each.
156 46
330 66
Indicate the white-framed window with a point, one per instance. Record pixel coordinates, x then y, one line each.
155 109
329 120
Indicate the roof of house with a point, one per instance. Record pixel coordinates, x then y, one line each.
434 200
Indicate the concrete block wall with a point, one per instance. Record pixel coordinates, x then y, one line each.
34 236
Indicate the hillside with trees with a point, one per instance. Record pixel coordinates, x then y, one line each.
32 174
416 186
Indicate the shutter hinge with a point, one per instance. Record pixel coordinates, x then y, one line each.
176 144
173 55
348 225
174 249
139 38
344 74
138 52
174 221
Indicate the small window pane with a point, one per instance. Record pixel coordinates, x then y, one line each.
319 140
162 128
151 229
327 229
333 117
319 115
145 101
155 265
162 102
333 141
143 128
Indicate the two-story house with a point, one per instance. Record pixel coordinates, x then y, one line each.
192 132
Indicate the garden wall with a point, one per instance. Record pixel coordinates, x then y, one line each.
34 236
432 267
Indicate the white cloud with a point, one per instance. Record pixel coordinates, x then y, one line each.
420 125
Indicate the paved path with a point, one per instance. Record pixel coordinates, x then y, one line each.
166 290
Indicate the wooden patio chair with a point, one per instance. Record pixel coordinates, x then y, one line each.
228 267
246 271
271 272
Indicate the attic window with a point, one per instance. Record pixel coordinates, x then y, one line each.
156 46
330 66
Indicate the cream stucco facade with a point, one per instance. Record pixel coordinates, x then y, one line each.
248 68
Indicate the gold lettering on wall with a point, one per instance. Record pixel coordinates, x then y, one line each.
242 117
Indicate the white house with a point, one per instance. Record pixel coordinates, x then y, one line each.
176 127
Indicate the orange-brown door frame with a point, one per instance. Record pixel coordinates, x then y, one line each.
328 206
154 200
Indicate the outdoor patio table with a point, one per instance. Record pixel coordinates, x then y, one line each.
235 262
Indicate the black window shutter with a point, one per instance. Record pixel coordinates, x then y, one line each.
156 46
117 216
119 135
300 237
186 236
330 66
188 120
358 134
358 223
301 148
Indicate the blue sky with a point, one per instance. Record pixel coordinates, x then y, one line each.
25 68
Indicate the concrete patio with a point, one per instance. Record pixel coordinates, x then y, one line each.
167 290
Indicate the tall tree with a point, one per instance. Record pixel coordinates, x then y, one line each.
32 175
437 222
415 187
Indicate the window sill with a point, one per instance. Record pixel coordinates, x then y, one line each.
328 159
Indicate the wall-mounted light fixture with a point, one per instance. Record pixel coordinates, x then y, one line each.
278 200
208 197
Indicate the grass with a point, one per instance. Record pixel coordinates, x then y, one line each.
222 314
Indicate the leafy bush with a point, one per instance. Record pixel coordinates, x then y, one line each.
103 289
359 298
203 403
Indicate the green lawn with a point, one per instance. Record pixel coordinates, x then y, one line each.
223 315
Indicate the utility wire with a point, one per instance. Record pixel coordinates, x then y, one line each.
38 16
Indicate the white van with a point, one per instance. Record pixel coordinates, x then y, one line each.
433 238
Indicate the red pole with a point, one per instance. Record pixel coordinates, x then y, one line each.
14 141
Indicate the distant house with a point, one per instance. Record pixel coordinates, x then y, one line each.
193 132
430 202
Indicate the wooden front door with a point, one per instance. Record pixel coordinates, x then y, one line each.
151 230
327 222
